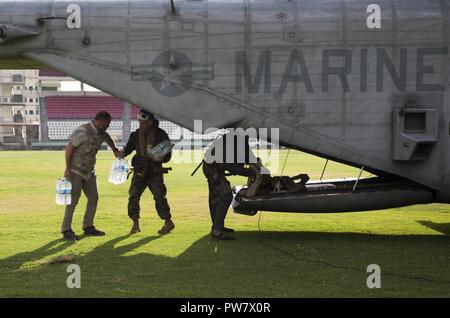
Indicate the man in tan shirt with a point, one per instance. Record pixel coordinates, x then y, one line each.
81 153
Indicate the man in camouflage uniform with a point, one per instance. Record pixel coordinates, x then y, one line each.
220 192
81 153
148 172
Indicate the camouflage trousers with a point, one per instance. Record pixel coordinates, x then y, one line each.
218 206
156 185
220 196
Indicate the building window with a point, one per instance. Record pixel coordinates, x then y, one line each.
17 78
17 99
30 88
49 88
18 88
37 100
31 100
5 100
31 112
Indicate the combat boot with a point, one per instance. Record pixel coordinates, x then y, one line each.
135 229
225 230
222 236
167 227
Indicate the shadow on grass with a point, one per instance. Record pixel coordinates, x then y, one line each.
444 228
206 246
109 248
49 249
257 264
53 248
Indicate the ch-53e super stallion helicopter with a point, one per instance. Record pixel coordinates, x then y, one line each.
360 83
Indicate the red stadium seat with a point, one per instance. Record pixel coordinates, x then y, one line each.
82 107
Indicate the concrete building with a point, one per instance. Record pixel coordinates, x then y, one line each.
19 94
19 107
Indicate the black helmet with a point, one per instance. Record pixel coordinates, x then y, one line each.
145 115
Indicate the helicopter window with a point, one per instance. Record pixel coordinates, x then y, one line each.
415 122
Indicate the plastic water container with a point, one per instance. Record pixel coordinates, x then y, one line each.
119 171
160 150
63 192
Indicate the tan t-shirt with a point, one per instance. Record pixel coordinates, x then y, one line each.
86 140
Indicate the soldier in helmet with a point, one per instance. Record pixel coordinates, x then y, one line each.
148 172
215 168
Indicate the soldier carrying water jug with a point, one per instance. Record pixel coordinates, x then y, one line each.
152 146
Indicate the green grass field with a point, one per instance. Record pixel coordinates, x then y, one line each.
292 255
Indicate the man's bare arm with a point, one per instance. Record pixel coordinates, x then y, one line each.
69 154
112 145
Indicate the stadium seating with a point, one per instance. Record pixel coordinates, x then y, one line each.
135 112
66 113
82 107
61 130
173 130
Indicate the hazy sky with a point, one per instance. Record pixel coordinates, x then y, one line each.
75 86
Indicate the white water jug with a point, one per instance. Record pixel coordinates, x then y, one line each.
119 171
160 150
63 192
